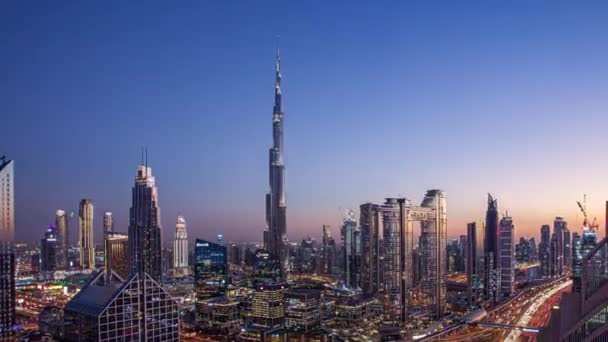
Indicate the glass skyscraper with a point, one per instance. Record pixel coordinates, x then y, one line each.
491 250
210 270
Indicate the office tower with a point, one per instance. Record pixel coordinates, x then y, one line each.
267 269
370 248
7 289
180 246
328 253
475 260
302 309
455 259
116 254
63 239
87 248
559 226
49 249
522 251
533 250
137 309
235 254
276 218
351 255
144 225
7 200
582 245
210 270
267 305
108 222
567 256
544 250
491 250
306 257
462 249
506 264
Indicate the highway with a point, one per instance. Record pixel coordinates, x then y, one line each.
539 300
504 320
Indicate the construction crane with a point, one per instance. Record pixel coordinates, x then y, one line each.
583 206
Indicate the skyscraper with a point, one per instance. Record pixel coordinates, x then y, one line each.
370 257
351 256
7 289
388 260
108 222
49 250
180 246
327 252
117 253
144 225
506 264
210 270
7 252
474 257
544 250
87 248
560 226
276 218
567 248
491 250
63 239
7 200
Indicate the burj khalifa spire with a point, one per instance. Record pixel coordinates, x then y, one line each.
276 219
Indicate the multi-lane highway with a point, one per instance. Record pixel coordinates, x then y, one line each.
505 320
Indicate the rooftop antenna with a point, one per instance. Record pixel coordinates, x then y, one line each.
142 155
146 159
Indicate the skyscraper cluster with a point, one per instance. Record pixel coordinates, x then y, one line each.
490 256
112 307
387 258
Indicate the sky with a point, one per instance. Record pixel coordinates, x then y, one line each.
381 99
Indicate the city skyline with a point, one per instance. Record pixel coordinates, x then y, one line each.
208 138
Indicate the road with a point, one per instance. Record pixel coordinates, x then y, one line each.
537 302
517 312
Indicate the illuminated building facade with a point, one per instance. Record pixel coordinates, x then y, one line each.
276 211
302 309
7 289
144 225
210 270
87 248
351 253
110 309
49 247
7 199
267 269
180 246
474 258
506 254
491 250
63 239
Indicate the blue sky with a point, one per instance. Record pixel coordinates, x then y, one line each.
381 99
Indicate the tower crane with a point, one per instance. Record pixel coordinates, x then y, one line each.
583 206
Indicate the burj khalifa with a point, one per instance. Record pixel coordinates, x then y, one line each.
276 219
